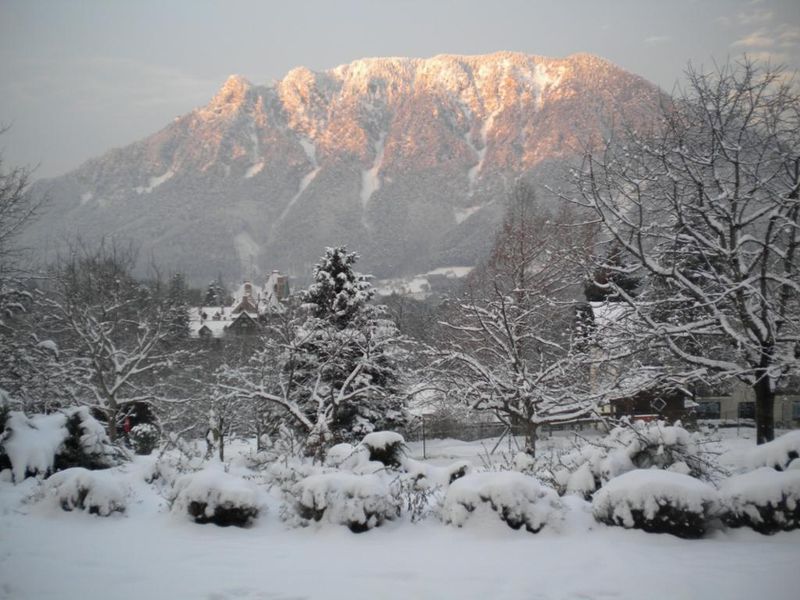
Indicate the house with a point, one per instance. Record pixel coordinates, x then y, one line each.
251 306
243 324
633 390
737 406
655 396
244 300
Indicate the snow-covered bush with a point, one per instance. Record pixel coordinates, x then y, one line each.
144 438
87 444
426 476
776 454
176 459
639 445
386 447
214 496
96 492
656 501
346 456
518 499
765 500
42 444
360 502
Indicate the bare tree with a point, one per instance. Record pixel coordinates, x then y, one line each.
17 209
111 328
30 369
514 348
706 206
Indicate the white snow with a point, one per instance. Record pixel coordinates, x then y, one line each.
49 345
349 499
370 180
474 171
215 488
150 554
462 214
304 183
254 170
418 286
155 182
759 488
777 453
581 481
31 443
346 456
310 149
427 476
86 197
646 490
247 249
379 440
519 498
451 272
99 492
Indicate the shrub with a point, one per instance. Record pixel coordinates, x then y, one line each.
639 445
656 501
360 502
96 492
144 438
214 496
386 447
517 499
42 444
426 476
777 454
346 456
86 444
765 500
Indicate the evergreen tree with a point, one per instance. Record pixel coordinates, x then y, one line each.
177 307
339 372
216 294
338 293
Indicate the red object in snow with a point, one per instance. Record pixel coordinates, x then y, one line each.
127 425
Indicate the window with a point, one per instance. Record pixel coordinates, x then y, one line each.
796 410
708 410
747 410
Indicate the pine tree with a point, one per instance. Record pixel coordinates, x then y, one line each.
177 308
339 368
338 293
216 294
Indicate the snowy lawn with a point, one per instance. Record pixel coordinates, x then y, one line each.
150 552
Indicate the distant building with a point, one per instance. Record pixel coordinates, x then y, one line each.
251 307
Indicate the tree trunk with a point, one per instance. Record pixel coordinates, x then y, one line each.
221 440
530 438
765 409
111 426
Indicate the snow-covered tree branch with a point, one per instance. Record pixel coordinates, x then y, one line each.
706 206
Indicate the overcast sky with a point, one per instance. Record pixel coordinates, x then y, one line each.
80 77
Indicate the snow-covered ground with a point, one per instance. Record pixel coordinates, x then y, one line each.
150 552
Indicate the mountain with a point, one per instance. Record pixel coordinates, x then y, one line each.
407 161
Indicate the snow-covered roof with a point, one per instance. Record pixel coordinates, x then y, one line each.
217 318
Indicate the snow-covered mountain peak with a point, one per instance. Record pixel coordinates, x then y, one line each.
407 160
231 96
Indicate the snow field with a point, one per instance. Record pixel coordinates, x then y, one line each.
156 551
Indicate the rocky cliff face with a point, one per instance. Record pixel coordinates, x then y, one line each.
407 161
